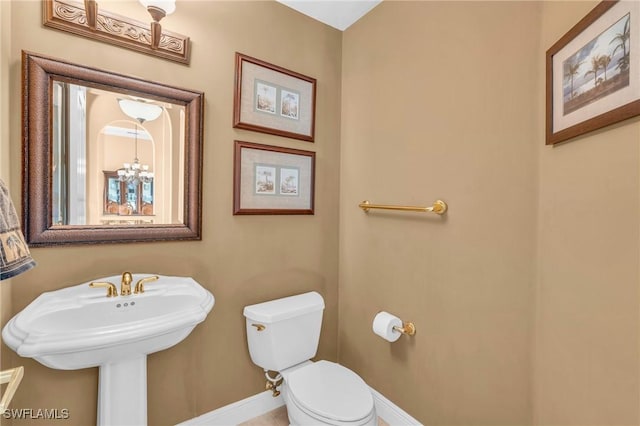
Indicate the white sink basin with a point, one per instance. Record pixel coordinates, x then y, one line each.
79 327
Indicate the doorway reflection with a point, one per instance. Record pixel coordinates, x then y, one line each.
116 159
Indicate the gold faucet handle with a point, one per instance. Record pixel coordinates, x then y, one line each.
140 284
112 291
125 284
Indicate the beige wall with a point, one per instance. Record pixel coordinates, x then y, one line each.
5 51
525 295
242 260
587 369
438 102
6 355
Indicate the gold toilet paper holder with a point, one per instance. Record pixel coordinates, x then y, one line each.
407 328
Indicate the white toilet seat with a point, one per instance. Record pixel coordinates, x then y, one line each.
331 394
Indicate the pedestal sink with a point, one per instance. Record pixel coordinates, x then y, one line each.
79 327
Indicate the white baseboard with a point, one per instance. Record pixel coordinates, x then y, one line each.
390 412
257 405
238 412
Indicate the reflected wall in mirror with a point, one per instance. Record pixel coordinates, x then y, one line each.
107 157
92 133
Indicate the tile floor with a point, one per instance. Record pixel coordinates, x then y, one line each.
278 417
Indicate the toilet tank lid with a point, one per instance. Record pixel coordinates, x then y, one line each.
285 308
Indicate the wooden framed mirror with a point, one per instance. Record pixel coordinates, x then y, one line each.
77 124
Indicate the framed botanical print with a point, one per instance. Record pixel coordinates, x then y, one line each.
272 99
273 180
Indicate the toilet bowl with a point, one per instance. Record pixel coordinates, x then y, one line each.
327 393
283 336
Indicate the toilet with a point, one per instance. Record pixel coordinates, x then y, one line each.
283 336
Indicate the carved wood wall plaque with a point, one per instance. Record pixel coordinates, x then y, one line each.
114 29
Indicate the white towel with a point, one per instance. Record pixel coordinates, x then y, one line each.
14 253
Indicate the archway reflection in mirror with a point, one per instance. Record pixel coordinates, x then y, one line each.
116 159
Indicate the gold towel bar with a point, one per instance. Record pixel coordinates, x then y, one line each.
438 207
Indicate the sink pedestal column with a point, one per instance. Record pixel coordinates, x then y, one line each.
122 393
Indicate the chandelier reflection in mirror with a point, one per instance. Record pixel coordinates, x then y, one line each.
140 111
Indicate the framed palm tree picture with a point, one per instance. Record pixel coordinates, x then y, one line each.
593 72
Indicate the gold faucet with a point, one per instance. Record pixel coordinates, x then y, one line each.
140 284
112 291
125 284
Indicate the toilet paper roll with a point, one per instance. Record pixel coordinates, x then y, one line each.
383 324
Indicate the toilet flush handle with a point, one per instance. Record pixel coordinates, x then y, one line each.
258 327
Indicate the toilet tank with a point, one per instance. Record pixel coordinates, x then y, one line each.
284 332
